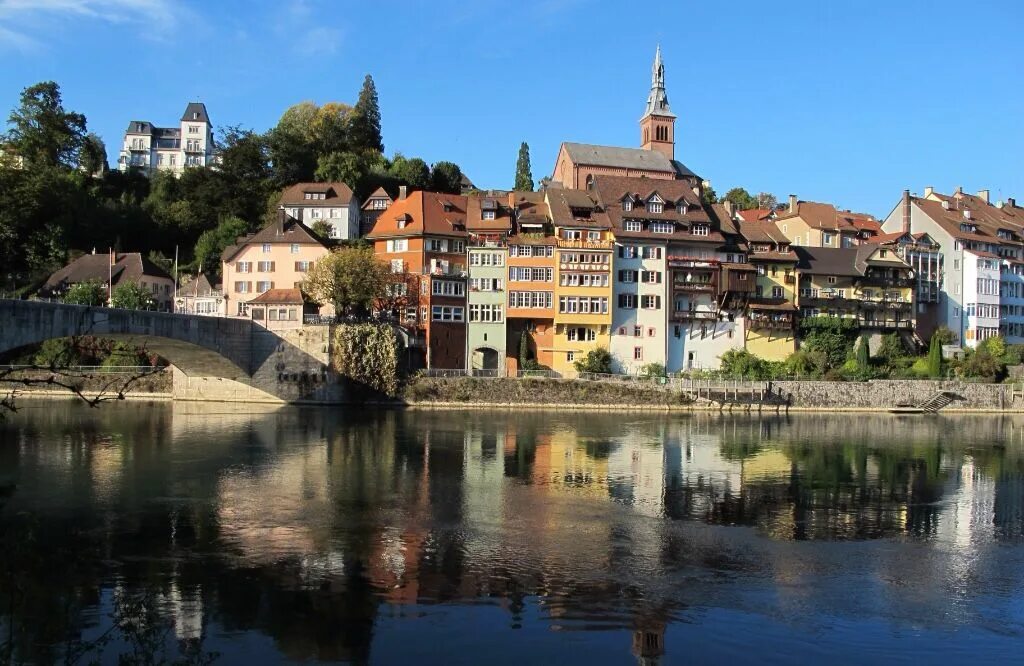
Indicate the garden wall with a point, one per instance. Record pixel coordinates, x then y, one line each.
884 394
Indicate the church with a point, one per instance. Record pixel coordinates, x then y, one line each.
579 163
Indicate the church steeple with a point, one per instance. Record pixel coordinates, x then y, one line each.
657 126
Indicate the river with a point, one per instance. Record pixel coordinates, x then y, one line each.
247 535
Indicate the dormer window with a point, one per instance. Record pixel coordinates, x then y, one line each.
448 206
632 225
308 195
662 227
968 228
1004 234
681 208
627 204
488 214
700 230
655 206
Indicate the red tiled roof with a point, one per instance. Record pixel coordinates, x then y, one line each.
755 214
425 213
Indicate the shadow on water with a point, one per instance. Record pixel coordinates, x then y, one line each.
201 532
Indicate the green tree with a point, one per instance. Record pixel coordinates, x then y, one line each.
86 293
93 156
935 357
653 370
132 296
598 361
741 363
347 167
290 145
740 198
412 171
42 132
321 228
708 195
944 336
524 176
446 177
863 353
892 348
329 131
352 279
364 123
524 350
213 242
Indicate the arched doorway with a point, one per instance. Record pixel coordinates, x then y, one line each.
485 358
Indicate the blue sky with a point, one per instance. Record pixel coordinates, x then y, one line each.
842 102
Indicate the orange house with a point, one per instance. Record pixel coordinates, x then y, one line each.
530 310
422 237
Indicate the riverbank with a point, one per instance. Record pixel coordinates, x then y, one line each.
459 393
803 396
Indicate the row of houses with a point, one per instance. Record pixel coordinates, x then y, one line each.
620 251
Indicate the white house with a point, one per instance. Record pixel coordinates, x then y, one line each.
149 148
332 203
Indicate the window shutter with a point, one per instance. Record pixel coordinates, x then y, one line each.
658 276
621 251
272 265
657 302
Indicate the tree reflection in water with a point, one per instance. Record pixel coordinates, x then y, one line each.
318 530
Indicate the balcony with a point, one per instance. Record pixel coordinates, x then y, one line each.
888 324
197 150
445 270
694 287
487 242
694 315
790 279
827 301
781 323
873 281
565 244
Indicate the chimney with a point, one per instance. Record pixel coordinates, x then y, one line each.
696 191
282 217
1011 202
959 191
906 211
792 203
730 208
403 192
928 191
983 195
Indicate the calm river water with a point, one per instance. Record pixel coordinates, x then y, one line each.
218 533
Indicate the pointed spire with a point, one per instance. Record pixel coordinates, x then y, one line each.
657 100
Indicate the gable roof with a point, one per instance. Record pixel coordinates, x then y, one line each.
286 230
763 232
424 213
755 214
478 202
611 191
279 297
127 267
827 217
575 208
624 158
846 261
337 193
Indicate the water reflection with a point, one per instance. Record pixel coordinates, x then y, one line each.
396 536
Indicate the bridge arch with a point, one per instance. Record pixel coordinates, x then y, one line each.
198 346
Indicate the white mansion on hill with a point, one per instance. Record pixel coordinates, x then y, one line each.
150 148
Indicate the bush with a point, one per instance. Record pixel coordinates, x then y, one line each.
367 354
653 370
132 296
943 335
741 363
892 348
833 336
597 361
86 293
806 364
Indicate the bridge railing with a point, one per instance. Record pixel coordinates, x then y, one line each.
89 369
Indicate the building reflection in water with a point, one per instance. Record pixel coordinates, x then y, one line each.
314 529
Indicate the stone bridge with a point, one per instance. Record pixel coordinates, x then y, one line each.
215 358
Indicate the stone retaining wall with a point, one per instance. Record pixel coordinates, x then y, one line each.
884 394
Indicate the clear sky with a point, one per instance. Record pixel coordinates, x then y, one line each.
834 101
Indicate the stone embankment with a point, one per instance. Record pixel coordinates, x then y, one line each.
43 383
785 395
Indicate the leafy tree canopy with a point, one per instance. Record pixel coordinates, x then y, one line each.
86 293
132 296
352 279
42 132
446 177
524 176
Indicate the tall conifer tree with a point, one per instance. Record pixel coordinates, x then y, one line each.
364 128
524 176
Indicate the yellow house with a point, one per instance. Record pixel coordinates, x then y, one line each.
771 321
771 311
583 278
814 224
870 284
